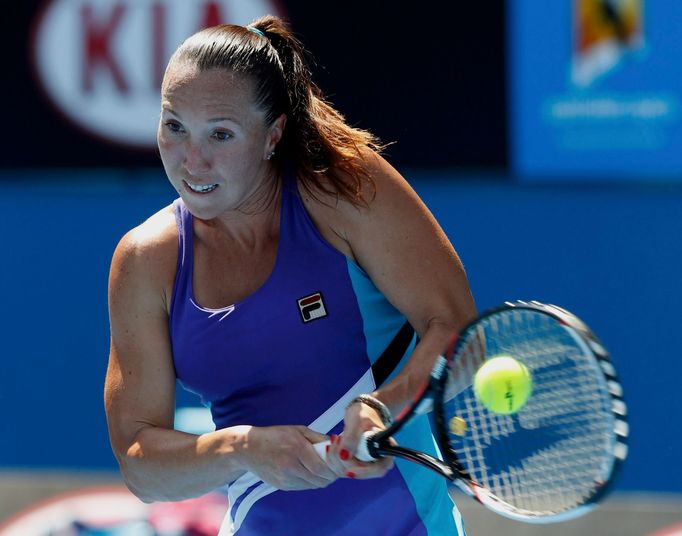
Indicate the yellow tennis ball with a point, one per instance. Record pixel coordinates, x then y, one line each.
503 384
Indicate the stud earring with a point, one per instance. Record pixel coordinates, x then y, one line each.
270 155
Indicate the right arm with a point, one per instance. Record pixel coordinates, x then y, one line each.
158 462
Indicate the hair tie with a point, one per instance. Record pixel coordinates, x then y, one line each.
256 31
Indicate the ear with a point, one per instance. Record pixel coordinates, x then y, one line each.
274 135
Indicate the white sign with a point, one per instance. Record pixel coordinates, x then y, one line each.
101 61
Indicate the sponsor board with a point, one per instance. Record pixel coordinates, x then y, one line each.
101 62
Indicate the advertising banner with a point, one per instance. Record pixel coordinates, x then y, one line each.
101 62
595 90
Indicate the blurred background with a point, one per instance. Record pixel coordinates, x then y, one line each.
546 137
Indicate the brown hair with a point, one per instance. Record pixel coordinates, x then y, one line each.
317 142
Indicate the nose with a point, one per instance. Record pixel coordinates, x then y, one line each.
197 160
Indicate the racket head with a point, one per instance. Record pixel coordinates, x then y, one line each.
557 456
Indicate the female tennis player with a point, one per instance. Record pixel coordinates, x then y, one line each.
298 285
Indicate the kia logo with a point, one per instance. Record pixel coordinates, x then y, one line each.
101 62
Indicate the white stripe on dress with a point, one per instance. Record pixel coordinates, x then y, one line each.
323 424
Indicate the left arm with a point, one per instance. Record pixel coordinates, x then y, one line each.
398 242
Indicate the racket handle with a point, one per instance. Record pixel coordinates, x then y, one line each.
361 454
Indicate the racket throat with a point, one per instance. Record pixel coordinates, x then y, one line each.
419 457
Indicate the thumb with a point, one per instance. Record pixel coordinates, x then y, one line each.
350 439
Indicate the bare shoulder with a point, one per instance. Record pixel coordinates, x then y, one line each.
147 255
394 237
153 236
389 191
387 186
387 200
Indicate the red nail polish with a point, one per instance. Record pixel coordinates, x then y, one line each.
344 454
327 449
335 438
350 474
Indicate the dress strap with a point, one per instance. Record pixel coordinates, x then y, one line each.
184 267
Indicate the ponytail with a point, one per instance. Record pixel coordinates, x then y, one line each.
324 151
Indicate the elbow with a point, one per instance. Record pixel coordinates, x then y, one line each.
133 476
138 491
147 480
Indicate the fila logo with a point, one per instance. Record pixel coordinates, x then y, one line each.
312 307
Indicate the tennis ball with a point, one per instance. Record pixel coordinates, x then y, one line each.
503 384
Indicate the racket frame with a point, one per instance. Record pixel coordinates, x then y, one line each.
432 394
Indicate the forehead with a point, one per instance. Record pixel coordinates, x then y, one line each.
184 83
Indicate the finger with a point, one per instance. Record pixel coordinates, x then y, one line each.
312 436
293 483
348 444
321 451
334 462
298 476
320 473
377 469
322 448
327 451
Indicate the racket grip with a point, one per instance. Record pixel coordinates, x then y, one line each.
361 454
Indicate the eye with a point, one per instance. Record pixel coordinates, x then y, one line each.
173 126
221 135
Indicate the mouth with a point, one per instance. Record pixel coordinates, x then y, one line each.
200 188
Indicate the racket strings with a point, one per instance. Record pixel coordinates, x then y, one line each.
548 457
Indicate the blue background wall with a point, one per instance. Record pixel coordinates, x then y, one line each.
479 76
612 254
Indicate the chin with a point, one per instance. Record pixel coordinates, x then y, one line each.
204 210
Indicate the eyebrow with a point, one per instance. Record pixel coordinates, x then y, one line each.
218 119
212 120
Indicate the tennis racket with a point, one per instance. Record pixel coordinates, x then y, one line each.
555 458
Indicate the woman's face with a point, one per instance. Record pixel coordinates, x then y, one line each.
213 139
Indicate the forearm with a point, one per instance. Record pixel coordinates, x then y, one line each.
168 465
400 391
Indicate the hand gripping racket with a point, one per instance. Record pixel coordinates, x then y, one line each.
553 459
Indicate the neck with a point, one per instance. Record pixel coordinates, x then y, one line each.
257 217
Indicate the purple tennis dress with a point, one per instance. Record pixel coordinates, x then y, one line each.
316 334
